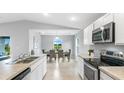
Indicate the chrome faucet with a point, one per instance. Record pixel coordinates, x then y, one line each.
21 56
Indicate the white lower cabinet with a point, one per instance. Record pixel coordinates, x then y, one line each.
27 77
81 67
38 70
104 76
36 74
44 67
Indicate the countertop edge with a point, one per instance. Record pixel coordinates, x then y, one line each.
30 64
86 56
109 74
15 74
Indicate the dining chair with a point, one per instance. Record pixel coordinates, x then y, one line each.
61 55
68 54
43 51
52 54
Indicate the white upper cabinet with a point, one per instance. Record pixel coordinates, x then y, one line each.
98 23
107 18
119 28
117 18
88 35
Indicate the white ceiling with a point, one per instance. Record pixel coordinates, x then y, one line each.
80 20
57 32
63 19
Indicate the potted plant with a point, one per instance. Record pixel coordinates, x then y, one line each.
90 51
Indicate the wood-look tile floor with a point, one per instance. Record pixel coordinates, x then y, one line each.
62 71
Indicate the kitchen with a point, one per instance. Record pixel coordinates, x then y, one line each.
30 27
94 47
106 41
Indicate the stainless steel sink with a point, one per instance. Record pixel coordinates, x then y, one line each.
27 60
31 58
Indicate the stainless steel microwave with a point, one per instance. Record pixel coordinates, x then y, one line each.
104 34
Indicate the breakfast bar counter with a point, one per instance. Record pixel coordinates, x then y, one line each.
9 70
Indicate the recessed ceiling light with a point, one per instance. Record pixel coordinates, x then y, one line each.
73 18
42 33
46 14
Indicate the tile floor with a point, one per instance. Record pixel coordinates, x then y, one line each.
62 70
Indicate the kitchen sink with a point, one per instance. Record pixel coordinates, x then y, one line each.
27 60
31 58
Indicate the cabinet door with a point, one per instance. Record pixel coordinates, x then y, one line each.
81 67
88 35
119 28
108 18
34 75
37 73
104 76
98 23
44 68
27 77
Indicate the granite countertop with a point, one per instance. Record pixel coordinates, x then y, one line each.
115 72
8 71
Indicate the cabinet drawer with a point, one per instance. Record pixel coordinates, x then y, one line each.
104 76
34 66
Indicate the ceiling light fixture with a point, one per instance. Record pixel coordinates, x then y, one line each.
42 33
73 19
46 14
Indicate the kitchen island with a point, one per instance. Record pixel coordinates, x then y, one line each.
9 70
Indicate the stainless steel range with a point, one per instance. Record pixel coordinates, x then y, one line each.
107 58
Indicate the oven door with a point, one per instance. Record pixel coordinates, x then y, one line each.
90 73
97 36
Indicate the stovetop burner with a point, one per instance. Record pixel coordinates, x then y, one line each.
95 62
104 61
107 58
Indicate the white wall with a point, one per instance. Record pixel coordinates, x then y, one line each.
83 49
35 42
69 43
107 46
19 33
97 47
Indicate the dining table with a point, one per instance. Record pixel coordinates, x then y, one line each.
48 52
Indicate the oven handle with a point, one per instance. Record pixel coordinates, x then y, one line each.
88 65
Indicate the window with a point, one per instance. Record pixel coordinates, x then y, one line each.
4 47
58 43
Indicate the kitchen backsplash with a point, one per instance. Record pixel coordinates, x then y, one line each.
98 47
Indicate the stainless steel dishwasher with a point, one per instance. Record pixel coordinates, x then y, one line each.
24 75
